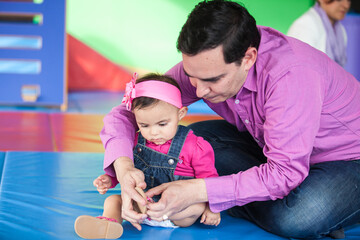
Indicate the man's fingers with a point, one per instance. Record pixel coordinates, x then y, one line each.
133 216
157 211
156 190
135 195
135 220
158 216
158 219
137 226
156 206
138 178
130 215
141 185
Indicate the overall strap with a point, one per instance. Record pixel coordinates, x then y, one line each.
141 140
178 141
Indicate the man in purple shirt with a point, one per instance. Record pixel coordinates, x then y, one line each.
288 148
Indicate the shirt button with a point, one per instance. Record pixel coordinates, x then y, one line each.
247 121
237 101
139 150
171 161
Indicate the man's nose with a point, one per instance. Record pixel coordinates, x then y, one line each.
201 89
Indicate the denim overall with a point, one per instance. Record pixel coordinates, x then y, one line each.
158 167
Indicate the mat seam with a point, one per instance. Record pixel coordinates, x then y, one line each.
2 174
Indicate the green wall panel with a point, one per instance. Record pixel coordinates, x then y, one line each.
143 33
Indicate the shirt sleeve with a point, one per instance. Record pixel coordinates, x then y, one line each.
114 181
292 110
117 136
203 159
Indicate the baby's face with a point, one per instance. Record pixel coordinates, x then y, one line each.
158 123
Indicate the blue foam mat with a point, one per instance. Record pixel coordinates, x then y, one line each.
42 193
2 159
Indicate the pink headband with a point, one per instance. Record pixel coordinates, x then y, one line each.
155 89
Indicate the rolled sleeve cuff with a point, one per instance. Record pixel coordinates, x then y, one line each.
116 148
114 181
221 194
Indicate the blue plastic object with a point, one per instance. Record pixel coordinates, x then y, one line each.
352 26
21 64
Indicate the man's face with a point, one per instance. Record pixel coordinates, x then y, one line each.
214 80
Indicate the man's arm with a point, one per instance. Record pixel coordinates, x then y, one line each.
118 136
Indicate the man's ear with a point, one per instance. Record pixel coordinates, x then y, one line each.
250 58
182 112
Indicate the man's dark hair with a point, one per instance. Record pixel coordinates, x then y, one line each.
219 22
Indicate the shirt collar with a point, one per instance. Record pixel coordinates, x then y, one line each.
251 79
250 82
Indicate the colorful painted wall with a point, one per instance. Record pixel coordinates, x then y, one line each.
142 33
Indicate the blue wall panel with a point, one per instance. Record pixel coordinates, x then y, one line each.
51 28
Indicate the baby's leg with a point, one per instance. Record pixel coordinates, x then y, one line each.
189 215
112 208
107 226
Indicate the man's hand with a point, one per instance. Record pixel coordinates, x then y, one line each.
130 177
176 196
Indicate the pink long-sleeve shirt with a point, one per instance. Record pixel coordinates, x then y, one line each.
300 106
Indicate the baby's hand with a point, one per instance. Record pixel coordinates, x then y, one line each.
210 218
102 183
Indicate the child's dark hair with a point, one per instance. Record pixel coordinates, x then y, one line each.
142 102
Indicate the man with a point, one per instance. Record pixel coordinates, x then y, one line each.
288 148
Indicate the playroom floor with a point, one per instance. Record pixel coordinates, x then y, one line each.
48 160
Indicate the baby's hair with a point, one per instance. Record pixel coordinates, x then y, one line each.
143 102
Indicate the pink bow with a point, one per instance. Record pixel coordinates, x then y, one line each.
130 92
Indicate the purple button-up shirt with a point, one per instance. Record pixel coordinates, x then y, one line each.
300 106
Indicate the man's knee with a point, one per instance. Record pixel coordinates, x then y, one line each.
292 221
288 226
305 220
